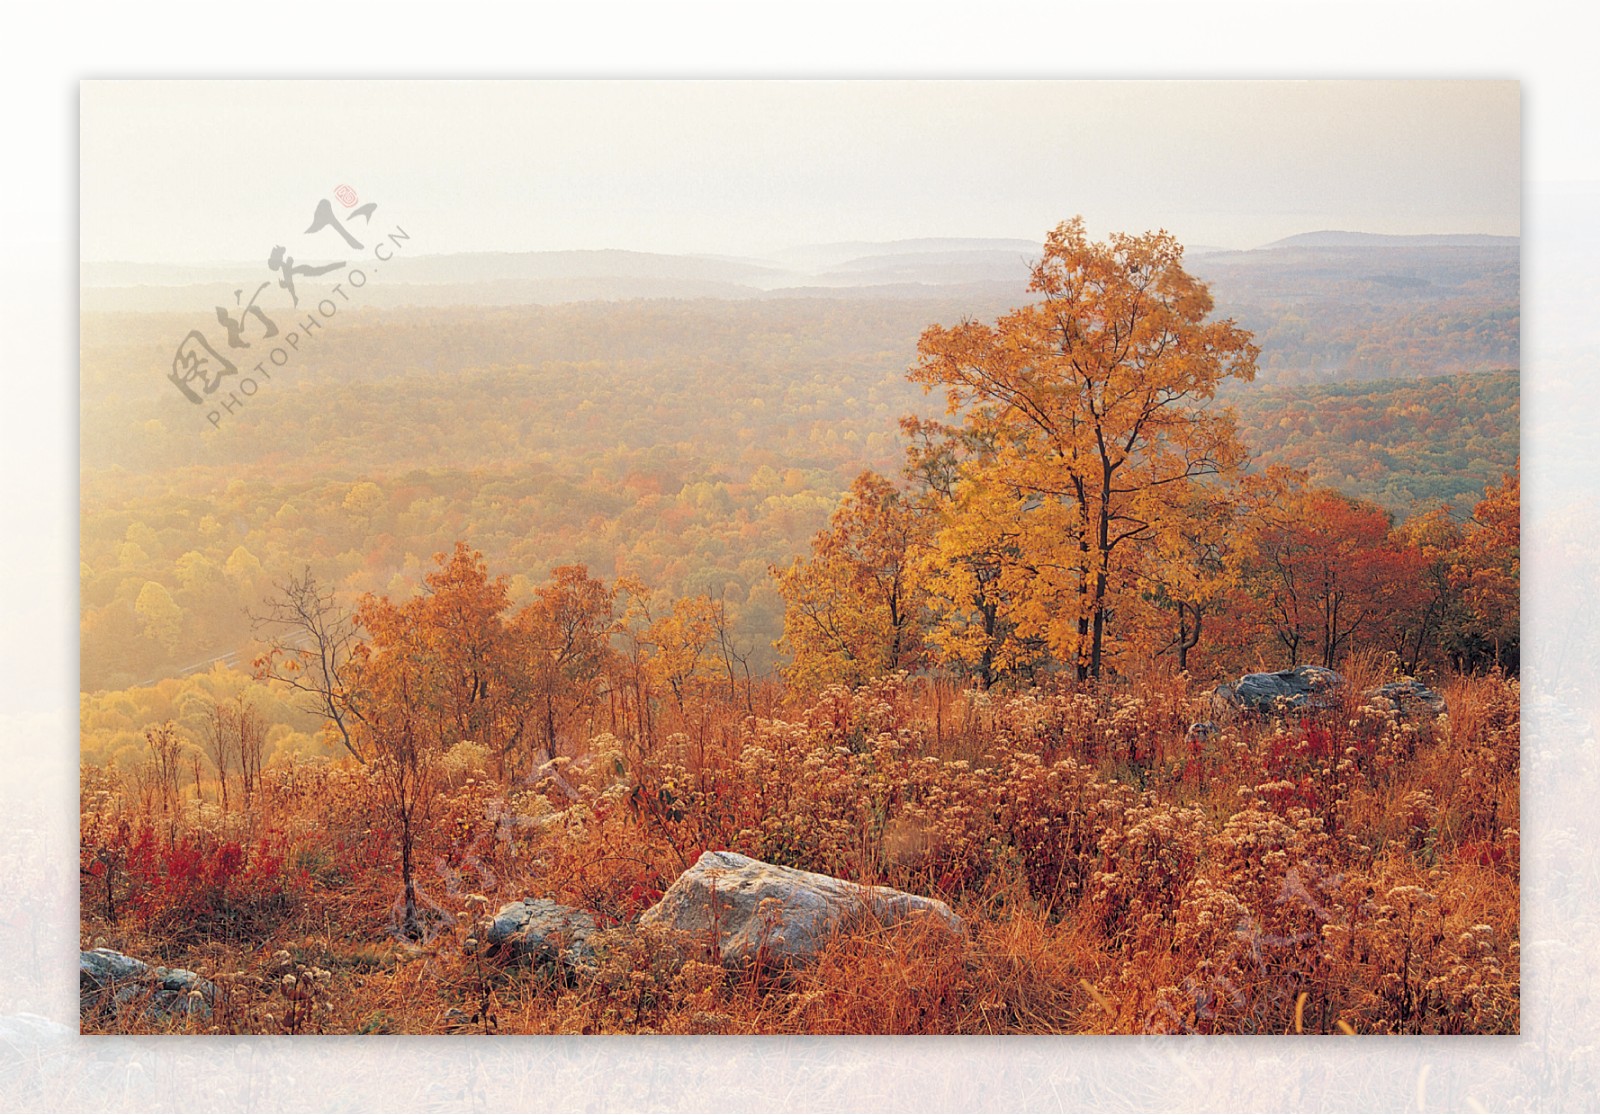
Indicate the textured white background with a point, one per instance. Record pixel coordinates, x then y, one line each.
45 1065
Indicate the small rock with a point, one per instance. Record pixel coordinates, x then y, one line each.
107 978
1408 697
543 932
1300 687
752 909
101 967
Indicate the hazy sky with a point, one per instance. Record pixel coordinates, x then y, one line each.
199 171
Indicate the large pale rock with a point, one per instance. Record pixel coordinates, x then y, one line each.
749 910
1408 697
1298 688
110 980
543 932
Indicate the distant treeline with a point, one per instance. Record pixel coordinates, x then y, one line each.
1400 443
691 444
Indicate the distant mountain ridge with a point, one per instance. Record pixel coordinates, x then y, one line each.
929 261
850 269
823 257
1335 239
1323 306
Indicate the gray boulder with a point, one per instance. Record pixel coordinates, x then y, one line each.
109 980
542 932
748 910
1298 688
1408 697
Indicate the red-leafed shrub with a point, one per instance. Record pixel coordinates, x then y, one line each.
203 885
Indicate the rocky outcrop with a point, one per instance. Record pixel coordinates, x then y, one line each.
1314 687
109 981
1295 689
541 931
747 911
1409 698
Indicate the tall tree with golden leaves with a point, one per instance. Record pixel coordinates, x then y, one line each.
1094 398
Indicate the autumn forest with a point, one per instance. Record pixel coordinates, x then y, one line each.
527 668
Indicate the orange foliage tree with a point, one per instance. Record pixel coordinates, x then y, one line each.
1489 571
1093 400
436 670
1189 575
564 638
1434 539
1327 570
852 609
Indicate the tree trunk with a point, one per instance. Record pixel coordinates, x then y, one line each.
1188 638
1096 648
110 863
1102 565
990 613
550 726
411 925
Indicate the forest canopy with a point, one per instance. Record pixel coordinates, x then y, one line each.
690 443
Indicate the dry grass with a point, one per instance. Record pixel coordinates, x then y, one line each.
1352 869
